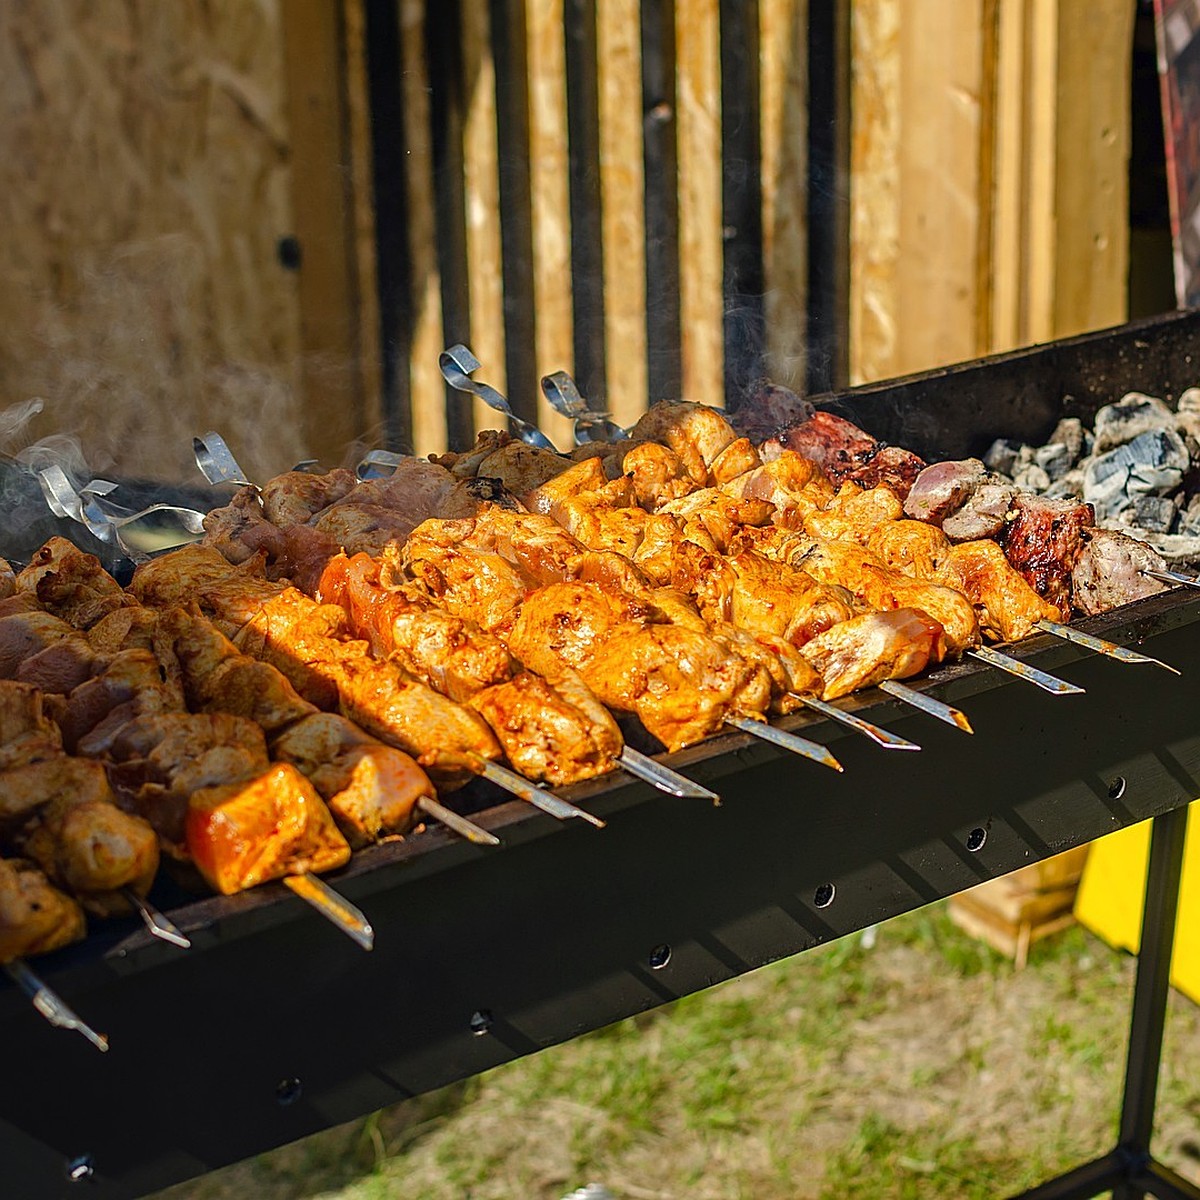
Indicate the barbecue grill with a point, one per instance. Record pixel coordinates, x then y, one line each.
272 1026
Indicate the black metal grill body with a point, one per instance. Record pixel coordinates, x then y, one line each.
273 1026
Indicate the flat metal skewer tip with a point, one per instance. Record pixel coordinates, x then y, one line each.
927 704
662 777
1101 645
788 741
1048 683
881 737
334 907
50 1004
521 787
158 925
457 822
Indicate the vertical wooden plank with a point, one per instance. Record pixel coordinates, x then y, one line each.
661 156
621 194
587 242
700 225
1095 62
548 157
940 143
875 199
741 196
324 226
783 33
429 435
481 185
1040 148
509 54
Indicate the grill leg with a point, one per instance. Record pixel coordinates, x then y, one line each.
1129 1171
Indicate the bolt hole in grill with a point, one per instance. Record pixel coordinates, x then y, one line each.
976 839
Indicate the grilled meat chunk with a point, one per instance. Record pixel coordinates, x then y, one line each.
35 916
1109 571
296 496
27 735
1044 543
695 432
8 580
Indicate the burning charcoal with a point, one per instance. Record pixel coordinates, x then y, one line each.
1109 571
1155 513
1070 432
1152 464
1055 459
983 515
1132 416
1044 542
1002 456
1031 478
1189 518
943 488
1071 484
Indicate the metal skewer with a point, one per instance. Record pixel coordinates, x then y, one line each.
456 364
520 787
881 737
457 822
564 397
663 778
1172 577
158 925
781 737
333 907
216 461
1101 646
927 704
50 1004
1048 683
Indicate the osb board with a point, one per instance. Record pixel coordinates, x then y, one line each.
144 185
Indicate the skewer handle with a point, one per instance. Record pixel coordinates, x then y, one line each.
216 461
1048 683
334 908
456 365
1100 645
50 1004
156 924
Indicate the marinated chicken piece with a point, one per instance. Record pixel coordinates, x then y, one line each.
446 738
796 486
477 584
218 677
520 468
35 916
465 465
452 653
553 733
681 684
855 514
872 647
371 789
156 762
874 585
22 635
566 622
72 584
242 834
537 545
606 528
656 553
295 497
188 573
27 735
8 580
695 432
93 850
1110 571
587 478
711 515
734 461
1005 605
657 474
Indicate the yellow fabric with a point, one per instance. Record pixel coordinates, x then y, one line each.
1109 900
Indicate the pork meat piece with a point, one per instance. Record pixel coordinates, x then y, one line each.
944 488
1045 541
27 735
296 496
893 467
35 917
838 445
8 580
983 515
1109 569
767 410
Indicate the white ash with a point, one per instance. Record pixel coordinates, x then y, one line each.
1139 468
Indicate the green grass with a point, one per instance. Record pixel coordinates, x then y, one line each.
924 1066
